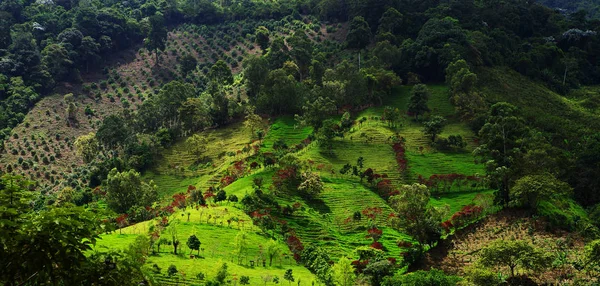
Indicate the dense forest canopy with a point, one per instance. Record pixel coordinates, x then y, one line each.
263 110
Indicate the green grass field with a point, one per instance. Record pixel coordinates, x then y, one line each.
217 239
285 128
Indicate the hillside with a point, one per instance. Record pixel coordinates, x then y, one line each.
336 143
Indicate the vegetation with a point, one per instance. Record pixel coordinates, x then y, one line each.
308 142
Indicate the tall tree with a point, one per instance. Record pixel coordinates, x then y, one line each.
157 35
502 147
125 190
315 112
220 73
359 33
417 104
273 250
87 147
195 114
113 131
240 246
415 215
262 38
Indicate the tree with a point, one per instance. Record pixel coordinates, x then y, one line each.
195 114
256 70
513 254
391 22
112 132
502 146
125 190
56 58
197 145
245 280
415 215
359 33
170 99
262 38
391 115
419 95
240 245
277 54
88 51
53 245
273 250
302 50
193 243
172 231
434 126
187 64
222 274
462 81
289 276
252 121
157 35
87 147
311 185
161 241
172 270
221 196
220 73
327 132
72 112
315 112
343 272
531 190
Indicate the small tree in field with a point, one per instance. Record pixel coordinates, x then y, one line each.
244 280
172 230
172 270
273 250
513 254
312 185
434 126
289 276
196 145
194 243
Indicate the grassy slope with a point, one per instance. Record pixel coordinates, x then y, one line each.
217 240
545 109
319 221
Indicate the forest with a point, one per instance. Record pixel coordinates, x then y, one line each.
302 142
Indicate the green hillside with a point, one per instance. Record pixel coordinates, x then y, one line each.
326 142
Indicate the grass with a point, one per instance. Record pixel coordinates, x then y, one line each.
428 164
285 128
217 241
322 221
545 109
455 201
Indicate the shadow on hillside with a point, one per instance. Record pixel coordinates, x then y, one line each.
319 205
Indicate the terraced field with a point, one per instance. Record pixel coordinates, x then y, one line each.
326 221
